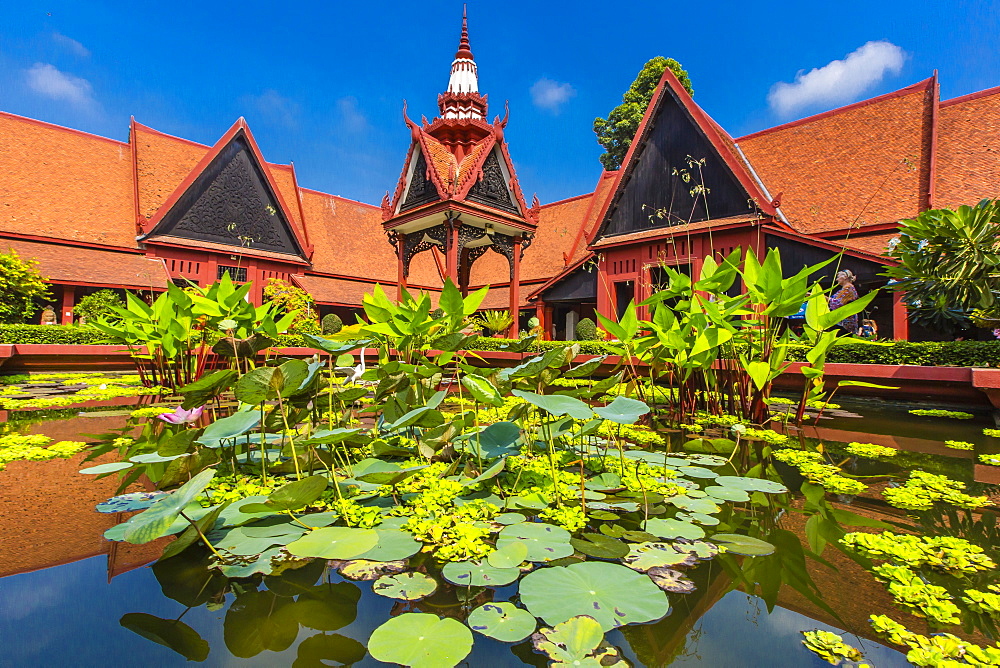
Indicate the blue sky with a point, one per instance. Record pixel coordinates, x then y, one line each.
322 84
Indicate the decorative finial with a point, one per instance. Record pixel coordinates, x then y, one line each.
464 49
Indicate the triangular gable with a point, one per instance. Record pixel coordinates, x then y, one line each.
420 188
492 185
678 160
230 198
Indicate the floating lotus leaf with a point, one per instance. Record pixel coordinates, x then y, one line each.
557 404
482 390
706 460
699 518
334 543
673 528
124 503
529 501
235 541
502 621
389 477
110 467
643 556
156 520
363 569
723 493
511 555
317 520
601 514
694 505
321 649
392 545
670 581
252 564
175 635
478 574
697 472
612 594
509 518
234 515
746 545
274 527
577 642
702 550
604 482
405 586
623 410
752 484
624 506
545 542
421 640
600 546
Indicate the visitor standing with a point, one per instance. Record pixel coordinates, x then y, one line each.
846 294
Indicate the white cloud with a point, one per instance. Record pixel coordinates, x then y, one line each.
50 82
275 108
71 45
551 95
839 81
350 117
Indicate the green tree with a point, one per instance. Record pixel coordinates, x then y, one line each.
615 132
97 304
949 265
21 287
289 298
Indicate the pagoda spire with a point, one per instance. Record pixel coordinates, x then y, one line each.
462 100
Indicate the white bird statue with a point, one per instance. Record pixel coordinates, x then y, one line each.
353 373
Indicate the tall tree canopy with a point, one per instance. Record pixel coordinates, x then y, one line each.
20 288
615 132
949 265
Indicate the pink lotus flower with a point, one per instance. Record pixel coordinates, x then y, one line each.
182 416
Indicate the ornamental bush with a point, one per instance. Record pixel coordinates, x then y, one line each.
97 305
586 330
21 287
332 323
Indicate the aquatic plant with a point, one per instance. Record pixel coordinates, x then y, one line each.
989 460
945 553
941 649
991 432
811 467
922 599
959 445
35 447
940 412
829 646
922 490
870 450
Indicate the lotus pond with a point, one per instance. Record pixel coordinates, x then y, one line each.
428 511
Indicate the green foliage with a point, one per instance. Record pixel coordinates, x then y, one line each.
331 323
35 447
922 490
288 298
941 649
870 450
940 412
949 264
494 321
615 133
948 554
829 646
920 598
421 640
959 445
811 466
586 330
21 288
98 304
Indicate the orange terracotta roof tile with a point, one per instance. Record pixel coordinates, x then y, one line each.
676 230
876 244
442 162
284 178
64 184
93 266
863 164
337 291
968 150
163 162
499 297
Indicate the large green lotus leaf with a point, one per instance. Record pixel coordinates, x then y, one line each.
154 522
192 534
421 640
155 458
511 555
557 404
110 467
600 546
509 518
672 528
389 477
297 494
696 472
425 416
364 569
235 541
623 410
331 436
700 518
233 514
545 542
569 643
259 563
705 459
392 545
604 482
693 505
643 556
498 439
482 390
259 385
405 586
746 545
478 574
322 649
317 520
752 484
334 543
723 493
258 621
527 368
277 527
175 635
612 594
586 368
235 425
502 621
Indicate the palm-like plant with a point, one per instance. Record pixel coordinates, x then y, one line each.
495 321
949 264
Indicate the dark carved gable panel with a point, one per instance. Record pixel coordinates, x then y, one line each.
677 177
231 203
492 189
421 190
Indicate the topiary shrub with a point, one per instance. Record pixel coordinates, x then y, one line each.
96 305
586 330
332 323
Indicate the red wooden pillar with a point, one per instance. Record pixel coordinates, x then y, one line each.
515 287
605 303
540 316
400 273
900 323
68 302
451 257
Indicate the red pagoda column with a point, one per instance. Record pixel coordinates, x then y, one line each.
400 273
68 302
515 287
451 257
900 323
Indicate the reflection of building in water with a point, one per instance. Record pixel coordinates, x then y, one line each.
47 515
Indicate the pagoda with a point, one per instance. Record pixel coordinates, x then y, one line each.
458 195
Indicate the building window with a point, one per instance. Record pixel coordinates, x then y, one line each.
237 274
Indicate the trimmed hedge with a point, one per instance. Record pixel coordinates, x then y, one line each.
931 353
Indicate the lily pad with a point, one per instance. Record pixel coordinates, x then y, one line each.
614 595
643 556
502 621
545 542
511 555
405 586
572 643
509 518
478 574
697 472
110 467
673 528
363 569
600 546
623 410
334 543
421 640
699 518
124 503
745 545
724 493
670 581
392 545
694 505
752 484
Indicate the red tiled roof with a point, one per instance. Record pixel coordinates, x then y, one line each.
876 244
162 162
91 266
677 229
64 184
337 291
499 297
968 149
863 164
